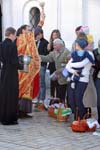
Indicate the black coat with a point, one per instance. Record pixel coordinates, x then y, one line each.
51 65
42 49
8 82
97 63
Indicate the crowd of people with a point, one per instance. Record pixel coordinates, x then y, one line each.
70 71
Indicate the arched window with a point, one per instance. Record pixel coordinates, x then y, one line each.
34 17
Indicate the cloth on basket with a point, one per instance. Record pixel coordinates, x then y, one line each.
65 111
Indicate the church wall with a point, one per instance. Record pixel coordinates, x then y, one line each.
93 18
60 14
6 14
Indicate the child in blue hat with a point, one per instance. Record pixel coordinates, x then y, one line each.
77 56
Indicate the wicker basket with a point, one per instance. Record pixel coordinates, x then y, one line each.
51 112
82 126
91 129
60 117
40 106
94 127
79 125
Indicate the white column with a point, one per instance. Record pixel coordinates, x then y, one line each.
59 14
6 14
51 17
71 17
85 12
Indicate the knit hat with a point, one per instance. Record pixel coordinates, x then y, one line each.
38 30
82 43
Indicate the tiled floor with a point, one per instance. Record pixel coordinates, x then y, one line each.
45 133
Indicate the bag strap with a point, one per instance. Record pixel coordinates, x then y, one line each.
86 116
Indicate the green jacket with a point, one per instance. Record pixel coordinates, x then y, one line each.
60 60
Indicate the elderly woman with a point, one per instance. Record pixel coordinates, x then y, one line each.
59 55
53 84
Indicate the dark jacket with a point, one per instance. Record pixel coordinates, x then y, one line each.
51 65
9 88
42 49
97 63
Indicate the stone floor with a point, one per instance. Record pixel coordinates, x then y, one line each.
45 133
